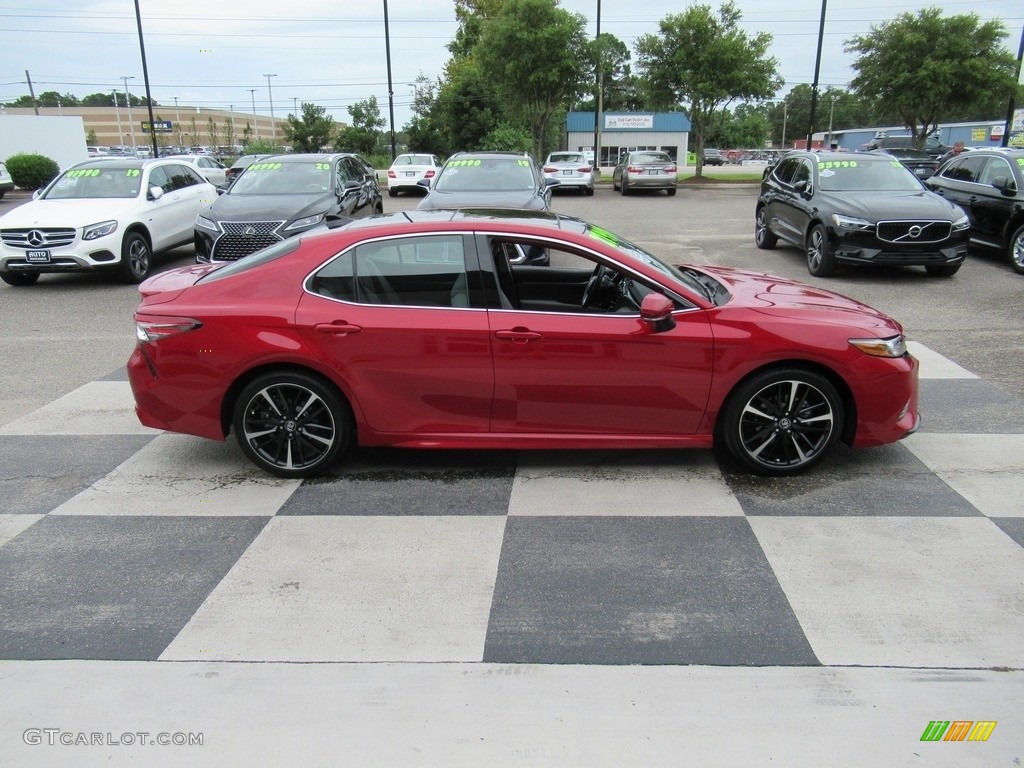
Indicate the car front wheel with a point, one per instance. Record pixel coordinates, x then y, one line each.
291 424
782 421
763 236
1016 250
820 261
136 258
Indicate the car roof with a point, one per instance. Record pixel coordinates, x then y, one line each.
491 153
308 157
471 217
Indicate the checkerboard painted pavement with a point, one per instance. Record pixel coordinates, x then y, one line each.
119 542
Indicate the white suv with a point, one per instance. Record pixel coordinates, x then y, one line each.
109 214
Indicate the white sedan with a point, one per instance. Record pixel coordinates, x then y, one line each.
107 215
209 168
572 170
408 169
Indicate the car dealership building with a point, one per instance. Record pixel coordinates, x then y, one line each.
623 131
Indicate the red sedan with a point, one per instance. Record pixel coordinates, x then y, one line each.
419 330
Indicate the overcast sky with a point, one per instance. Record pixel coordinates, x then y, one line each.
333 53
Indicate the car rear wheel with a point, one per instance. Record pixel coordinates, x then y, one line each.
1016 250
782 421
19 278
671 191
291 424
136 258
392 193
623 186
820 261
588 191
942 270
763 237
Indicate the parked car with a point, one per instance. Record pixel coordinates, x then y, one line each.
572 170
106 214
235 169
414 330
281 196
989 185
488 179
919 162
713 157
932 146
6 183
208 167
645 170
858 208
407 170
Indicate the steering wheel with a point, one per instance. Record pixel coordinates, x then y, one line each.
601 274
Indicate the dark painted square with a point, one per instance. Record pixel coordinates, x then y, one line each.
888 481
1012 527
111 587
404 482
41 472
639 590
968 406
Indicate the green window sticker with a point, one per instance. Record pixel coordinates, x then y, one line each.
264 166
79 173
322 166
131 173
831 164
1020 162
524 163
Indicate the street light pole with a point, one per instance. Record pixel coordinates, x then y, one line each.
252 92
117 111
177 119
273 125
128 101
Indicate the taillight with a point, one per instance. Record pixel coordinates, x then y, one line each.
429 174
585 169
153 328
670 169
549 169
633 169
392 174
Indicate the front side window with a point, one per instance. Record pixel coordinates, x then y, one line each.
996 168
428 271
964 169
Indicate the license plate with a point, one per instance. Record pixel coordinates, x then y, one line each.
567 173
37 257
410 173
655 172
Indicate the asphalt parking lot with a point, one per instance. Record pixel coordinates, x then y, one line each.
501 609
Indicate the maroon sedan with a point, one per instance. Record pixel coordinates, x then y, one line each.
419 330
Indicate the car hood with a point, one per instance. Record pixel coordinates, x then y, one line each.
887 206
68 213
780 296
230 207
527 200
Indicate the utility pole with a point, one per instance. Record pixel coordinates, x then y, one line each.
31 92
256 122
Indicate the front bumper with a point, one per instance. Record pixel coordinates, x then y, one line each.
76 256
866 248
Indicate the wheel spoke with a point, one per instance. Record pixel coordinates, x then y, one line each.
786 424
289 426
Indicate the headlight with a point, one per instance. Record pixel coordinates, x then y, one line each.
205 223
102 229
850 222
961 224
892 347
306 221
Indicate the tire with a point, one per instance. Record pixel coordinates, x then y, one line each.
392 193
1015 250
763 237
291 424
671 191
19 278
942 270
820 261
588 191
782 421
136 258
623 188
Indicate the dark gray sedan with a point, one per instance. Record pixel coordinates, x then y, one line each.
488 180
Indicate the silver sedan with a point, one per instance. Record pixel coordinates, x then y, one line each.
645 169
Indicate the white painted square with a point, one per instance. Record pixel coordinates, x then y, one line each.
12 525
915 592
353 589
97 408
587 483
935 366
183 475
987 470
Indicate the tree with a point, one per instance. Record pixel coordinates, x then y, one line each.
424 132
467 107
364 133
706 61
508 54
619 91
314 129
746 127
211 132
927 67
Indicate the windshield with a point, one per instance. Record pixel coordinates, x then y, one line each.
96 182
284 178
866 176
413 160
486 175
567 158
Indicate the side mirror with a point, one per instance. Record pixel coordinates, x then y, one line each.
656 311
351 186
801 188
549 182
1004 185
425 183
155 193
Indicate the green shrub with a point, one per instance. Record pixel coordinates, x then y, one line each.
30 171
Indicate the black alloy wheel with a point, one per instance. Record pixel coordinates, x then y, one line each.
763 237
291 424
136 258
1016 250
820 261
782 421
